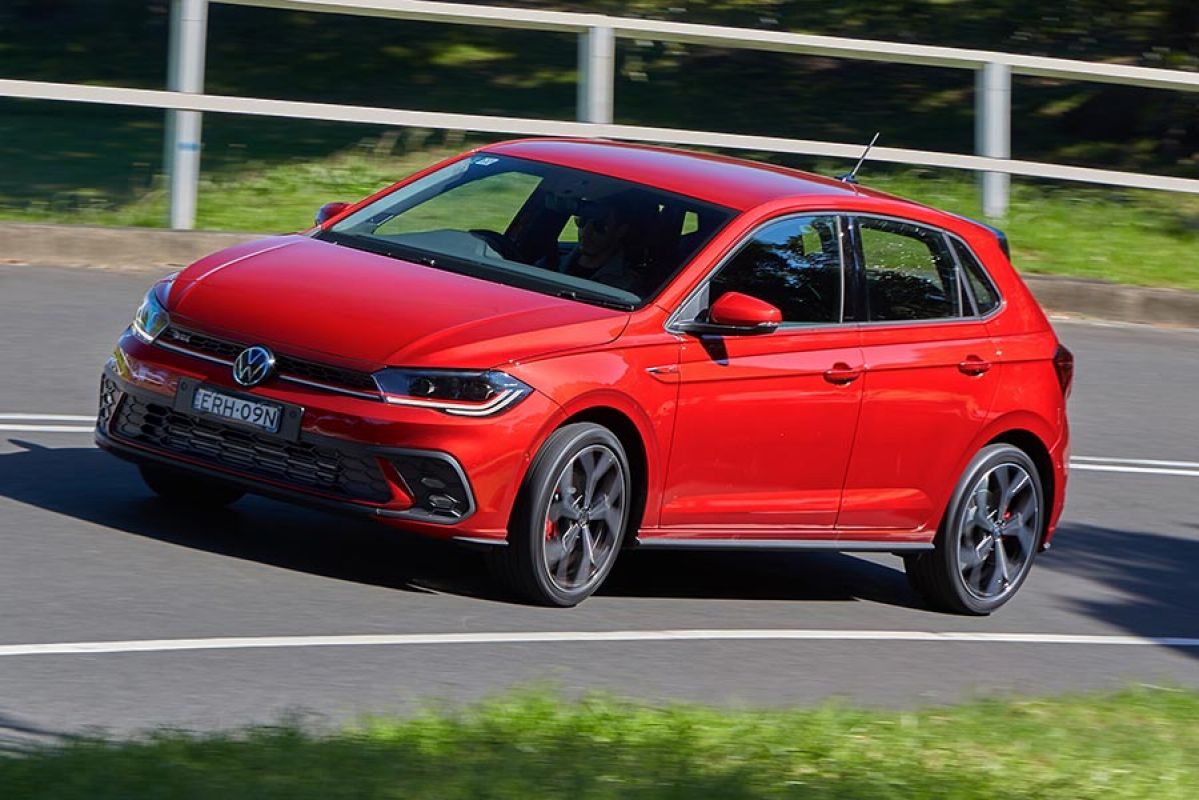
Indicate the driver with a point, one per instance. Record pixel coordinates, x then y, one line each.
601 255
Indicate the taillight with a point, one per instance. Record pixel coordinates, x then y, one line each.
1063 364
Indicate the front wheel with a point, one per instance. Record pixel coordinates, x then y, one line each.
989 537
570 518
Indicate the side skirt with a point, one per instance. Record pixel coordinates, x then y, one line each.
857 546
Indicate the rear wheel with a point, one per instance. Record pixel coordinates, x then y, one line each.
186 489
570 518
989 536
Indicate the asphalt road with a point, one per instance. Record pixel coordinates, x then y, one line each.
89 555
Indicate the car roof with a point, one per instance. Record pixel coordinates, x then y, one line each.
731 182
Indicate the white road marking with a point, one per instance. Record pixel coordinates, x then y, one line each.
1146 461
48 428
560 637
35 423
1134 470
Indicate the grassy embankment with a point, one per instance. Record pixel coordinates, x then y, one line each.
1135 744
1122 236
83 164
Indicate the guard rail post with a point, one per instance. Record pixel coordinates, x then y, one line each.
597 71
185 73
993 133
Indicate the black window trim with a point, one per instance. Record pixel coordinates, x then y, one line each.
853 275
673 321
986 277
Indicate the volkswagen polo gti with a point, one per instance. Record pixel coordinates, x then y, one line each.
556 349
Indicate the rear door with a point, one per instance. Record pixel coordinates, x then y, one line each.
931 376
765 422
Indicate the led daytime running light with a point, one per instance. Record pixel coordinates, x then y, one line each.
503 390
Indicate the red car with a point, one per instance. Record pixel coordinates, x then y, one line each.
556 349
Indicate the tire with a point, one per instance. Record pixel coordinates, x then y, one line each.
989 537
186 489
569 519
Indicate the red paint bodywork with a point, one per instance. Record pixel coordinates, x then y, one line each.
842 433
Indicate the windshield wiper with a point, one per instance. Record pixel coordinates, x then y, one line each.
383 249
595 299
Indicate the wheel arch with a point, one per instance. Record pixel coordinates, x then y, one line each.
623 427
1038 451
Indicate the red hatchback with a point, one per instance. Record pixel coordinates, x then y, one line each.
555 349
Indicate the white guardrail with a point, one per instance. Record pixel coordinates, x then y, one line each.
185 100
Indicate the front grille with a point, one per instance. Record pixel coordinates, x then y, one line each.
323 373
202 343
286 365
328 469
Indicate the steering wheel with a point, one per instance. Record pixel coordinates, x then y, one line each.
498 242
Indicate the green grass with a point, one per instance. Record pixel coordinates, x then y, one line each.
1139 743
1145 238
1124 236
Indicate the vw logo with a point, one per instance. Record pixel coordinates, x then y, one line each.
253 366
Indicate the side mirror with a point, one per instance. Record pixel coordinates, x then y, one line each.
737 314
330 210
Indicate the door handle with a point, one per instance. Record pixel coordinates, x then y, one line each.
973 365
841 373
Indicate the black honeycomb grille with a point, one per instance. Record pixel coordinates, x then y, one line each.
286 365
108 401
328 469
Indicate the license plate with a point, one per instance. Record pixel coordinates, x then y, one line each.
264 416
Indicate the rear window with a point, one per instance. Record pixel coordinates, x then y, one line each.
910 273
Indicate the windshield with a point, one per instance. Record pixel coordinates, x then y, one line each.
552 229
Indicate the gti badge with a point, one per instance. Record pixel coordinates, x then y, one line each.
253 366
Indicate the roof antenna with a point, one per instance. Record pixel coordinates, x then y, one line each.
852 175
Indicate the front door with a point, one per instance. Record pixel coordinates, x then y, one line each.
765 423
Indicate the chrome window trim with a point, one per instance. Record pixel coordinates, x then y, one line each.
672 322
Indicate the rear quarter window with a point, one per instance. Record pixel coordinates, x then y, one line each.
986 296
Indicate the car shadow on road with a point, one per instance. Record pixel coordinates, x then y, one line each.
90 485
744 575
1147 579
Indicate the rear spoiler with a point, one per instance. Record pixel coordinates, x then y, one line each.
1000 235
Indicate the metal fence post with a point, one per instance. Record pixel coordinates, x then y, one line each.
597 71
185 73
993 133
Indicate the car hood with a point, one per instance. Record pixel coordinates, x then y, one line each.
319 300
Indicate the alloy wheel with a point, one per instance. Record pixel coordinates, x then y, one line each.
997 531
584 519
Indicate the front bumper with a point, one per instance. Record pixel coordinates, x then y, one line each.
398 465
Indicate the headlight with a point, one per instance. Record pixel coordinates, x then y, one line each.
470 394
151 318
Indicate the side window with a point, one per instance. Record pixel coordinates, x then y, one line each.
910 273
985 295
794 264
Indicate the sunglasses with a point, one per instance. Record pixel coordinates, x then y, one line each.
598 224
